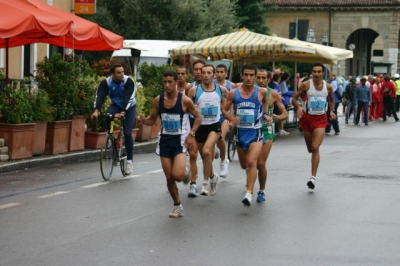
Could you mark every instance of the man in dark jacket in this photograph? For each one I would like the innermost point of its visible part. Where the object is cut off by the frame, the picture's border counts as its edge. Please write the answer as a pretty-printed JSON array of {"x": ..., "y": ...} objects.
[
  {"x": 121, "y": 90},
  {"x": 349, "y": 96}
]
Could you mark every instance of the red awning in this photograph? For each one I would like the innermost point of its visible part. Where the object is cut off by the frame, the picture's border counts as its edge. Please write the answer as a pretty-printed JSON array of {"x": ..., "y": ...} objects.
[{"x": 32, "y": 21}]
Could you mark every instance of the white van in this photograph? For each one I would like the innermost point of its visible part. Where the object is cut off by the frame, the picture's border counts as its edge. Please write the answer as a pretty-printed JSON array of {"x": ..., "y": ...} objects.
[{"x": 153, "y": 52}]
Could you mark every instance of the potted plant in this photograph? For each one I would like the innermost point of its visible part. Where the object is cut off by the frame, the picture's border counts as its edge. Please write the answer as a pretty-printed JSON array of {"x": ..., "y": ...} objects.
[
  {"x": 42, "y": 113},
  {"x": 16, "y": 122},
  {"x": 57, "y": 77},
  {"x": 86, "y": 86},
  {"x": 97, "y": 129}
]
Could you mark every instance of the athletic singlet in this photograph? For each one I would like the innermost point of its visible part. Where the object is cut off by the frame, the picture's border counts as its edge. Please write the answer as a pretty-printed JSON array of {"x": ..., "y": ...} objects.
[
  {"x": 174, "y": 129},
  {"x": 249, "y": 110},
  {"x": 315, "y": 103},
  {"x": 209, "y": 103},
  {"x": 228, "y": 84}
]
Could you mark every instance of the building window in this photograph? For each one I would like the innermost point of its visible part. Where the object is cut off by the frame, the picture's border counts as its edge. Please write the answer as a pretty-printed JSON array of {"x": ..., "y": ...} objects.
[
  {"x": 302, "y": 27},
  {"x": 377, "y": 53}
]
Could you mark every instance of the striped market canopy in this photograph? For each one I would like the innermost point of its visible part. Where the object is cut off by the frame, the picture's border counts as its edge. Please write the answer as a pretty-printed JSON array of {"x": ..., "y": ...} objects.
[{"x": 250, "y": 46}]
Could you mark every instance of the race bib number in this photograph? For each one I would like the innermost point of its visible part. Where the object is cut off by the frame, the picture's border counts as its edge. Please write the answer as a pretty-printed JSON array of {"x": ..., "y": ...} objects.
[
  {"x": 317, "y": 105},
  {"x": 171, "y": 124},
  {"x": 209, "y": 110},
  {"x": 246, "y": 117}
]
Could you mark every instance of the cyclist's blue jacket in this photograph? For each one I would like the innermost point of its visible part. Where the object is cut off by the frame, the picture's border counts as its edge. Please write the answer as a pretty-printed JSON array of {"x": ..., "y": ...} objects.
[{"x": 121, "y": 94}]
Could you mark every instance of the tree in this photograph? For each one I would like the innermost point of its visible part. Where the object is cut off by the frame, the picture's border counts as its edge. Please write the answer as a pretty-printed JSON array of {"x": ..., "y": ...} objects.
[
  {"x": 186, "y": 20},
  {"x": 251, "y": 15}
]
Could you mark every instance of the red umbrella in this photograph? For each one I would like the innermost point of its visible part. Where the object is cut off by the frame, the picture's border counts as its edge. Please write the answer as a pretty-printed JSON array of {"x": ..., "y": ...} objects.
[
  {"x": 84, "y": 35},
  {"x": 32, "y": 21}
]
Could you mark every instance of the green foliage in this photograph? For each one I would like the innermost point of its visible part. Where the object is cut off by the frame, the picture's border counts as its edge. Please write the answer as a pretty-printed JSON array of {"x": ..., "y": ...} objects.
[
  {"x": 102, "y": 66},
  {"x": 2, "y": 74},
  {"x": 176, "y": 20},
  {"x": 140, "y": 100},
  {"x": 251, "y": 15},
  {"x": 70, "y": 85},
  {"x": 152, "y": 83},
  {"x": 42, "y": 110},
  {"x": 15, "y": 107}
]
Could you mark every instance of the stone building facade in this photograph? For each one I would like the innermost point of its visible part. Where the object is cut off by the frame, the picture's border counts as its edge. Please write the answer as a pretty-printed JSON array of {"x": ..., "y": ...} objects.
[{"x": 368, "y": 27}]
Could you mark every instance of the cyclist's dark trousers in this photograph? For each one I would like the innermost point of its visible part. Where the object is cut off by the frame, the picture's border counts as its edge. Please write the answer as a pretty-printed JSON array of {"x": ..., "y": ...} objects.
[{"x": 130, "y": 117}]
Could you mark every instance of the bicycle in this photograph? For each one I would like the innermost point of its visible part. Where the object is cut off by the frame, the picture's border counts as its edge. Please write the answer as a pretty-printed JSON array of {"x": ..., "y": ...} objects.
[
  {"x": 112, "y": 151},
  {"x": 232, "y": 142}
]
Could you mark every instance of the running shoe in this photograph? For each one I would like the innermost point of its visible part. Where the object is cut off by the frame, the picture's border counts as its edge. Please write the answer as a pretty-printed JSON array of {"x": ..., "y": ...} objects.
[
  {"x": 283, "y": 132},
  {"x": 193, "y": 192},
  {"x": 311, "y": 183},
  {"x": 247, "y": 200},
  {"x": 176, "y": 212},
  {"x": 129, "y": 168},
  {"x": 204, "y": 190},
  {"x": 260, "y": 196},
  {"x": 213, "y": 185},
  {"x": 223, "y": 169}
]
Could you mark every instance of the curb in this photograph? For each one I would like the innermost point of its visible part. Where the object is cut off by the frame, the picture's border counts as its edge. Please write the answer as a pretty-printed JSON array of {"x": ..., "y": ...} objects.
[{"x": 88, "y": 155}]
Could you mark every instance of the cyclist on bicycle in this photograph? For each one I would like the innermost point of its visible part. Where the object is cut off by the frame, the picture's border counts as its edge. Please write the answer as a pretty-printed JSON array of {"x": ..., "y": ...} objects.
[{"x": 121, "y": 90}]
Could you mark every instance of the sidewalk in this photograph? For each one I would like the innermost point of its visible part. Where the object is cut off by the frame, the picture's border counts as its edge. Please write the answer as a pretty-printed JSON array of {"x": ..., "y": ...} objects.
[{"x": 87, "y": 155}]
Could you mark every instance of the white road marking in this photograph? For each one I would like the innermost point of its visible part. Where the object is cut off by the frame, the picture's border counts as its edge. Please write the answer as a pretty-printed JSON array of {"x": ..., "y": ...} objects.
[
  {"x": 9, "y": 205},
  {"x": 131, "y": 176},
  {"x": 53, "y": 194},
  {"x": 95, "y": 185},
  {"x": 155, "y": 171}
]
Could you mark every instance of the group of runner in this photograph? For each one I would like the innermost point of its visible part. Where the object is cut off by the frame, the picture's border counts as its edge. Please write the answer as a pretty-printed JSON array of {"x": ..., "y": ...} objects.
[{"x": 195, "y": 118}]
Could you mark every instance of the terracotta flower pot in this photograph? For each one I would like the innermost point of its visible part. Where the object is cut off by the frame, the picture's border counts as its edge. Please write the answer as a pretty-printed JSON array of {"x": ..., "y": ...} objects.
[
  {"x": 39, "y": 138},
  {"x": 18, "y": 138},
  {"x": 94, "y": 140},
  {"x": 77, "y": 134},
  {"x": 58, "y": 136}
]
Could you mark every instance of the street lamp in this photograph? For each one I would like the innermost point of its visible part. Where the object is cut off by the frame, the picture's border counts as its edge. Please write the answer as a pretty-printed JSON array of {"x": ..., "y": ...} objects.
[{"x": 310, "y": 35}]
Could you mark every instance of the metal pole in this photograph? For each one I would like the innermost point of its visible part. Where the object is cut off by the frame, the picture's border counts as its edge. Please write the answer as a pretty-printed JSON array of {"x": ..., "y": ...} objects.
[{"x": 7, "y": 48}]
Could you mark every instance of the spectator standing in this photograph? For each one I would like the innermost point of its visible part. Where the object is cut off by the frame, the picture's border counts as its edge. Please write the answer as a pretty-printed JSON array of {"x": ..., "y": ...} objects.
[
  {"x": 388, "y": 92},
  {"x": 363, "y": 98},
  {"x": 377, "y": 101},
  {"x": 351, "y": 103}
]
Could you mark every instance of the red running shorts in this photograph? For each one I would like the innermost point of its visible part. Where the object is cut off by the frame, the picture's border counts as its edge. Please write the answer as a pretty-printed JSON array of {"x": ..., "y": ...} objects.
[{"x": 310, "y": 122}]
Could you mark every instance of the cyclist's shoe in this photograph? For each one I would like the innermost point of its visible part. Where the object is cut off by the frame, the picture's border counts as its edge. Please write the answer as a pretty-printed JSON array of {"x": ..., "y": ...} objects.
[
  {"x": 311, "y": 183},
  {"x": 176, "y": 212},
  {"x": 260, "y": 196},
  {"x": 204, "y": 190},
  {"x": 223, "y": 167},
  {"x": 129, "y": 169},
  {"x": 217, "y": 152},
  {"x": 213, "y": 185},
  {"x": 247, "y": 200},
  {"x": 193, "y": 192}
]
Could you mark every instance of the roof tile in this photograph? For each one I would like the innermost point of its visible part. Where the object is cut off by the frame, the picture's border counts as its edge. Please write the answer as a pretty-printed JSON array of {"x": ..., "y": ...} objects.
[{"x": 337, "y": 3}]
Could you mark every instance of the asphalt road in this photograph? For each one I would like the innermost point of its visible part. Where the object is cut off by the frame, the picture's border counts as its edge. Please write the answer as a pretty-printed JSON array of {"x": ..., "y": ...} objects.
[{"x": 66, "y": 214}]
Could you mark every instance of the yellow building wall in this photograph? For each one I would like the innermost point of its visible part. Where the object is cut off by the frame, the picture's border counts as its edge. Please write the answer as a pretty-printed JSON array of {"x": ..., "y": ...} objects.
[{"x": 278, "y": 22}]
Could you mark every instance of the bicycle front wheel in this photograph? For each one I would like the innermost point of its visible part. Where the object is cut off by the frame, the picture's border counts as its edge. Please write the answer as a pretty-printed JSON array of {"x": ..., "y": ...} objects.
[
  {"x": 107, "y": 157},
  {"x": 231, "y": 145}
]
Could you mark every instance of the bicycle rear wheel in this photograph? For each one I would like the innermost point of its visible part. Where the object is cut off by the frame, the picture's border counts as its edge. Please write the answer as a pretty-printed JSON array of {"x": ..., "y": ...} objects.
[
  {"x": 107, "y": 157},
  {"x": 231, "y": 145}
]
